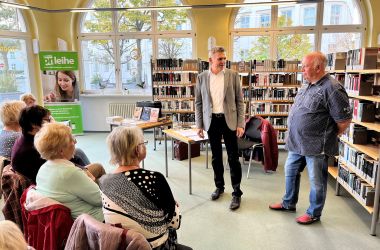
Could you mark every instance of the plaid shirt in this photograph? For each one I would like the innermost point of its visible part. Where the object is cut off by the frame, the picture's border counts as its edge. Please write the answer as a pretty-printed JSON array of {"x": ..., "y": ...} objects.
[{"x": 13, "y": 185}]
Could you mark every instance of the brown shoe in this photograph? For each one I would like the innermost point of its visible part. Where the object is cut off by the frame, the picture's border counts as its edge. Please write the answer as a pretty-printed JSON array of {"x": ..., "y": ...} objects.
[{"x": 280, "y": 207}]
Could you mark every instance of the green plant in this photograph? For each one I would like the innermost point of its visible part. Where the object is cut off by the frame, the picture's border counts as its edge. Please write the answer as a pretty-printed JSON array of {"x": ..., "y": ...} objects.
[
  {"x": 96, "y": 79},
  {"x": 7, "y": 82}
]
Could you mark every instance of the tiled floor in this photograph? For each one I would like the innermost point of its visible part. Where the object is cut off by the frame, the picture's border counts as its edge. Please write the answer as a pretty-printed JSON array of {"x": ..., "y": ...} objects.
[{"x": 210, "y": 224}]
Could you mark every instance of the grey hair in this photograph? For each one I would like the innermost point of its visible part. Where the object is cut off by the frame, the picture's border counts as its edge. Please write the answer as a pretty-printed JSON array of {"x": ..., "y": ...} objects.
[
  {"x": 318, "y": 59},
  {"x": 216, "y": 49}
]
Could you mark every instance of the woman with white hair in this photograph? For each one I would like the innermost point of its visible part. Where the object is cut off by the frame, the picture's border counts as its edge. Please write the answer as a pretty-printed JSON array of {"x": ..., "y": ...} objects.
[
  {"x": 11, "y": 237},
  {"x": 137, "y": 198},
  {"x": 59, "y": 179},
  {"x": 10, "y": 113}
]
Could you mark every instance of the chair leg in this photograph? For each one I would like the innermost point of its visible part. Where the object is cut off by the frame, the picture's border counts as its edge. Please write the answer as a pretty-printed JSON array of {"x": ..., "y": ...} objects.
[{"x": 250, "y": 161}]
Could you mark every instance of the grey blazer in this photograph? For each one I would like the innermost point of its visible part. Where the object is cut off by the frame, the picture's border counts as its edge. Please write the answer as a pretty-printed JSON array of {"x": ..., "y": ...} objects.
[{"x": 233, "y": 104}]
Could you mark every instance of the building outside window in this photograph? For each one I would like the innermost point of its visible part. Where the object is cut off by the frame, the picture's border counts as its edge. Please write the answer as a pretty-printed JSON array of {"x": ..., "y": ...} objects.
[
  {"x": 295, "y": 30},
  {"x": 14, "y": 50},
  {"x": 124, "y": 43}
]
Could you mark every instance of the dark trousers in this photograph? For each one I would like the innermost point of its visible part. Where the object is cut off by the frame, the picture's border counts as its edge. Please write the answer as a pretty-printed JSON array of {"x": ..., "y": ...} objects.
[{"x": 217, "y": 130}]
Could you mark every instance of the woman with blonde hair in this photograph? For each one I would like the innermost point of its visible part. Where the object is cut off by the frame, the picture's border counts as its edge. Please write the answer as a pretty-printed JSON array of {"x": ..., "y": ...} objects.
[
  {"x": 59, "y": 179},
  {"x": 29, "y": 99},
  {"x": 137, "y": 198},
  {"x": 10, "y": 113},
  {"x": 11, "y": 237}
]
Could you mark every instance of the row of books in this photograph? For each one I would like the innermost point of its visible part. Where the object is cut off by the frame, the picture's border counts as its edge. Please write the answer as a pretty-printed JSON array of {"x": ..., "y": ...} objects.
[
  {"x": 178, "y": 105},
  {"x": 278, "y": 122},
  {"x": 273, "y": 93},
  {"x": 359, "y": 188},
  {"x": 183, "y": 120},
  {"x": 281, "y": 136},
  {"x": 173, "y": 92},
  {"x": 267, "y": 79},
  {"x": 270, "y": 108},
  {"x": 356, "y": 59},
  {"x": 175, "y": 64},
  {"x": 271, "y": 65},
  {"x": 359, "y": 84},
  {"x": 356, "y": 134},
  {"x": 363, "y": 165},
  {"x": 363, "y": 111},
  {"x": 174, "y": 78}
]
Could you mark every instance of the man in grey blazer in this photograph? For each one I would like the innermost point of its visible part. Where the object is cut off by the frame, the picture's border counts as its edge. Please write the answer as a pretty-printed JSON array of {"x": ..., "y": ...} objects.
[{"x": 219, "y": 110}]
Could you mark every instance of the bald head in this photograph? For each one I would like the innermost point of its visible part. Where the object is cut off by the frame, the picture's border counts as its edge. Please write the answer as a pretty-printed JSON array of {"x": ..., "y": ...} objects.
[{"x": 313, "y": 66}]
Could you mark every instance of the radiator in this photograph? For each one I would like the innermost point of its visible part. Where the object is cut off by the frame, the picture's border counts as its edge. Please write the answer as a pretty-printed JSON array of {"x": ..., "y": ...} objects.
[{"x": 125, "y": 110}]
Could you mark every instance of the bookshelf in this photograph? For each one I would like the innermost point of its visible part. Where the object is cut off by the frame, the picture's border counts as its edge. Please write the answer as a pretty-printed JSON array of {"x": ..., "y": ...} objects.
[
  {"x": 173, "y": 83},
  {"x": 272, "y": 90},
  {"x": 358, "y": 162}
]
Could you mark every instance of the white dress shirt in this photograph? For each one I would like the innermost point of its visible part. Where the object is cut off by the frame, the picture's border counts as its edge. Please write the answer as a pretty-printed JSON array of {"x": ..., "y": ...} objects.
[{"x": 217, "y": 91}]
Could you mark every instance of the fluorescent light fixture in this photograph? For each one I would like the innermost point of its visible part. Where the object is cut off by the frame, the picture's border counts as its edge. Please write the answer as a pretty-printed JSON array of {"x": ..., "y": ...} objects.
[
  {"x": 82, "y": 10},
  {"x": 237, "y": 5},
  {"x": 15, "y": 5}
]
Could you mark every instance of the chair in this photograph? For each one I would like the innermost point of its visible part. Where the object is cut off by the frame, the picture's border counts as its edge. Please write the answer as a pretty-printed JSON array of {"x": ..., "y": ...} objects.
[
  {"x": 3, "y": 162},
  {"x": 88, "y": 233},
  {"x": 47, "y": 222},
  {"x": 13, "y": 185},
  {"x": 251, "y": 140}
]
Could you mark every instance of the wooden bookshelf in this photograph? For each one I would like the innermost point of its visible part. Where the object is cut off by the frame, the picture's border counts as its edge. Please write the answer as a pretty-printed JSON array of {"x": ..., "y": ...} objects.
[
  {"x": 348, "y": 189},
  {"x": 355, "y": 171},
  {"x": 333, "y": 171},
  {"x": 370, "y": 125},
  {"x": 363, "y": 71},
  {"x": 370, "y": 150},
  {"x": 367, "y": 98}
]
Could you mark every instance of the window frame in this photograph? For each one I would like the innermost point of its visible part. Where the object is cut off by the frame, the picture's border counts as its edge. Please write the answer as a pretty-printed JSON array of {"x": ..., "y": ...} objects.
[
  {"x": 27, "y": 37},
  {"x": 318, "y": 29},
  {"x": 116, "y": 35}
]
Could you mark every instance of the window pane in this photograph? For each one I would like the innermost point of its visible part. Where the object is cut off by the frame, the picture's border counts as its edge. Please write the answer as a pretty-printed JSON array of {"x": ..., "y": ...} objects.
[
  {"x": 253, "y": 17},
  {"x": 251, "y": 47},
  {"x": 100, "y": 21},
  {"x": 11, "y": 19},
  {"x": 173, "y": 20},
  {"x": 133, "y": 21},
  {"x": 135, "y": 55},
  {"x": 340, "y": 42},
  {"x": 341, "y": 12},
  {"x": 14, "y": 73},
  {"x": 297, "y": 15},
  {"x": 294, "y": 46},
  {"x": 98, "y": 64},
  {"x": 175, "y": 48}
]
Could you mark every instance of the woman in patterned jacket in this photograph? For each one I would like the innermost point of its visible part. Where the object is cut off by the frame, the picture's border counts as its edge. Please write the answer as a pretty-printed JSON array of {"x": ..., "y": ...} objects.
[{"x": 138, "y": 198}]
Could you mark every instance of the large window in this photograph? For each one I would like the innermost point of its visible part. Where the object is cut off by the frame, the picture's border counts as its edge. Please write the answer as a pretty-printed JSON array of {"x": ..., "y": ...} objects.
[
  {"x": 293, "y": 30},
  {"x": 14, "y": 71},
  {"x": 116, "y": 47}
]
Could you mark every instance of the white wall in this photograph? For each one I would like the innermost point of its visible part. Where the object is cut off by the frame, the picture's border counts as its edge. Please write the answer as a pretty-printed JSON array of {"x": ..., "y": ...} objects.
[{"x": 95, "y": 109}]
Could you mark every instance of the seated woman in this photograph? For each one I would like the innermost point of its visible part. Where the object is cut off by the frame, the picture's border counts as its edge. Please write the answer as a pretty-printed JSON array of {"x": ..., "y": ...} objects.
[
  {"x": 10, "y": 113},
  {"x": 59, "y": 179},
  {"x": 29, "y": 99},
  {"x": 11, "y": 237},
  {"x": 25, "y": 158},
  {"x": 139, "y": 199}
]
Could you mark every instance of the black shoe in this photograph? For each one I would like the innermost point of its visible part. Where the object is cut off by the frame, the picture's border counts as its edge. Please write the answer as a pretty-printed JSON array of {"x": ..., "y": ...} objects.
[
  {"x": 215, "y": 195},
  {"x": 235, "y": 203}
]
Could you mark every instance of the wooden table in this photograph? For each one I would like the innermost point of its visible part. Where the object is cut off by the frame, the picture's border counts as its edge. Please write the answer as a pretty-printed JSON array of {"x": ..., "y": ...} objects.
[
  {"x": 188, "y": 140},
  {"x": 146, "y": 125}
]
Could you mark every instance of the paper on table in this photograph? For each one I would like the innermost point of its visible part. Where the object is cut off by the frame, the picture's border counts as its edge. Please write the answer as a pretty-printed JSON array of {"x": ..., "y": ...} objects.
[{"x": 192, "y": 134}]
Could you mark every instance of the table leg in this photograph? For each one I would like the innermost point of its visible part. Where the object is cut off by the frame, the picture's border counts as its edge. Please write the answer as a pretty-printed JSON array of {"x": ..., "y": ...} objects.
[
  {"x": 166, "y": 154},
  {"x": 189, "y": 157},
  {"x": 206, "y": 154},
  {"x": 172, "y": 149},
  {"x": 154, "y": 138}
]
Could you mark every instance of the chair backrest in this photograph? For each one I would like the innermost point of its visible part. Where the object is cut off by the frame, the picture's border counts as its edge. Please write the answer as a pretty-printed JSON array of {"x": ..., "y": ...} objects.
[
  {"x": 88, "y": 233},
  {"x": 3, "y": 163},
  {"x": 48, "y": 225},
  {"x": 13, "y": 185},
  {"x": 252, "y": 131}
]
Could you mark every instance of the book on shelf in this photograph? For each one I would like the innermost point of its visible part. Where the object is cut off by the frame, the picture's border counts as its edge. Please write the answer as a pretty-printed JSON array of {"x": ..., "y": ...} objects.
[
  {"x": 137, "y": 113},
  {"x": 339, "y": 61},
  {"x": 363, "y": 58},
  {"x": 153, "y": 116}
]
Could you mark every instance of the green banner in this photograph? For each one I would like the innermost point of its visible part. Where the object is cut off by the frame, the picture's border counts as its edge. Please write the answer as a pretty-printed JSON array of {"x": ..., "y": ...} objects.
[
  {"x": 70, "y": 113},
  {"x": 58, "y": 60}
]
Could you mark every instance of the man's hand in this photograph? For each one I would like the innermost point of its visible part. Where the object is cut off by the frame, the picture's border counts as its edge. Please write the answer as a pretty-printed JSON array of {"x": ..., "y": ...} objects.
[
  {"x": 239, "y": 132},
  {"x": 200, "y": 133}
]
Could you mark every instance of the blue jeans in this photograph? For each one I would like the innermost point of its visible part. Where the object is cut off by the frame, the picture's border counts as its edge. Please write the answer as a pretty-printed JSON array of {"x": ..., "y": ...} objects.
[{"x": 317, "y": 170}]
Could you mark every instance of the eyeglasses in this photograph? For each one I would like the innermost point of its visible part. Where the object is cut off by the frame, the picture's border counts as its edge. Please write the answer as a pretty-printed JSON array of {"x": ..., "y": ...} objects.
[
  {"x": 46, "y": 120},
  {"x": 143, "y": 143},
  {"x": 74, "y": 139}
]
